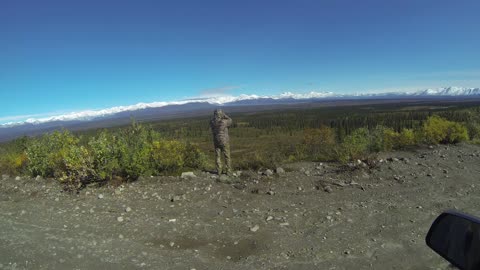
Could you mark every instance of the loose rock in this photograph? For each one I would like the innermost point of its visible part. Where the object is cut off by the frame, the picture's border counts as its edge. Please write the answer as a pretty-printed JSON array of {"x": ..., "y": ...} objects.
[
  {"x": 268, "y": 172},
  {"x": 186, "y": 175},
  {"x": 223, "y": 178}
]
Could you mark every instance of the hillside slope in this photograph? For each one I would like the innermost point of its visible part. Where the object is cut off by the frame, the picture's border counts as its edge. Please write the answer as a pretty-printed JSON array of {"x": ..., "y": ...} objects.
[{"x": 314, "y": 216}]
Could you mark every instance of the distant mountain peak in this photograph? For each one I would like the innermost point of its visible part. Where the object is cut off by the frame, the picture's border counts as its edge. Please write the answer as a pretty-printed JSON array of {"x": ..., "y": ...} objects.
[{"x": 244, "y": 99}]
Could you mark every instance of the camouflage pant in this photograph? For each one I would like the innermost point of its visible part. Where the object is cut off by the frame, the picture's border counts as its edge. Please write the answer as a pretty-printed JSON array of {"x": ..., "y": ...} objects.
[{"x": 225, "y": 151}]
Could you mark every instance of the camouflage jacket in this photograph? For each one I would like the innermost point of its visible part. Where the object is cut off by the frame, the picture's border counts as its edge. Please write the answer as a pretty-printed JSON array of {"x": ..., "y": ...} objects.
[{"x": 220, "y": 130}]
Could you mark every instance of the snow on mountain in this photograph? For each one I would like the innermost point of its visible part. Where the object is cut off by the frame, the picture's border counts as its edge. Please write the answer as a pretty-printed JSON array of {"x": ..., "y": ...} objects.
[
  {"x": 226, "y": 100},
  {"x": 450, "y": 91}
]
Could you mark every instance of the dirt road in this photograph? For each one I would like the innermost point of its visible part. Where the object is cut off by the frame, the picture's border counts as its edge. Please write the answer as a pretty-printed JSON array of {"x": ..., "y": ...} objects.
[{"x": 314, "y": 216}]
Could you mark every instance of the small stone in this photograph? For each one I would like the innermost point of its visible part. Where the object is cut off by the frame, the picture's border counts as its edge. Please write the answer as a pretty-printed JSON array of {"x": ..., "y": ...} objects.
[
  {"x": 186, "y": 175},
  {"x": 120, "y": 219},
  {"x": 172, "y": 244},
  {"x": 18, "y": 178},
  {"x": 271, "y": 192},
  {"x": 172, "y": 220},
  {"x": 280, "y": 170},
  {"x": 269, "y": 218},
  {"x": 57, "y": 199},
  {"x": 254, "y": 228},
  {"x": 120, "y": 236},
  {"x": 223, "y": 178},
  {"x": 38, "y": 178},
  {"x": 328, "y": 189},
  {"x": 268, "y": 172},
  {"x": 176, "y": 198},
  {"x": 128, "y": 209},
  {"x": 100, "y": 196},
  {"x": 284, "y": 224}
]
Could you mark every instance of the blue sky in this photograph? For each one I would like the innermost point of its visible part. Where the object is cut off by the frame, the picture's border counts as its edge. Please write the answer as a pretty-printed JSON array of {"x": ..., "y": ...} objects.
[{"x": 60, "y": 56}]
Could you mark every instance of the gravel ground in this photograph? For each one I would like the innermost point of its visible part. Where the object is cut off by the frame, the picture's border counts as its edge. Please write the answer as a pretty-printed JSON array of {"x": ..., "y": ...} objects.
[{"x": 313, "y": 216}]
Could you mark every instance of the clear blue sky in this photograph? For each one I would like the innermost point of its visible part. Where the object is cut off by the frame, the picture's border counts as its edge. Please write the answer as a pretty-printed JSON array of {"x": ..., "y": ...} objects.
[{"x": 60, "y": 55}]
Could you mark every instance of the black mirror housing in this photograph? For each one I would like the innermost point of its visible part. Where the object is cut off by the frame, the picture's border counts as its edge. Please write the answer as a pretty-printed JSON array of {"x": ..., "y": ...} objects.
[{"x": 456, "y": 237}]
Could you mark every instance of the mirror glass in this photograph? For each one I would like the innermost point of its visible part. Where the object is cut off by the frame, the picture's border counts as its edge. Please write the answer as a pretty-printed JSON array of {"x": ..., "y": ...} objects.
[{"x": 456, "y": 238}]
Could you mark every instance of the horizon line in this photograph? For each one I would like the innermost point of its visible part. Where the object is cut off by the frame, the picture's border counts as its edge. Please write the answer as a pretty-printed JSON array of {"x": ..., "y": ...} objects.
[{"x": 220, "y": 99}]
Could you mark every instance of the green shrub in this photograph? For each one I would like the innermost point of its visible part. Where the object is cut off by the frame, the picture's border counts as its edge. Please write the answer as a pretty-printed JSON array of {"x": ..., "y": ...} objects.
[
  {"x": 194, "y": 158},
  {"x": 168, "y": 156},
  {"x": 105, "y": 153},
  {"x": 354, "y": 146},
  {"x": 473, "y": 129},
  {"x": 59, "y": 155},
  {"x": 439, "y": 130},
  {"x": 376, "y": 139},
  {"x": 38, "y": 158},
  {"x": 12, "y": 162},
  {"x": 45, "y": 155},
  {"x": 76, "y": 167},
  {"x": 406, "y": 138},
  {"x": 390, "y": 139},
  {"x": 135, "y": 146}
]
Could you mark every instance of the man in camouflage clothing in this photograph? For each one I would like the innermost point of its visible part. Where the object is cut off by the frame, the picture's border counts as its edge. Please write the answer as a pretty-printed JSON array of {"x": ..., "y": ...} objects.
[{"x": 219, "y": 125}]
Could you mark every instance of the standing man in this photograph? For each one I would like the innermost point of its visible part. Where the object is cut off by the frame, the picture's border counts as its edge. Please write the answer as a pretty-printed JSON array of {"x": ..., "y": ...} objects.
[{"x": 219, "y": 125}]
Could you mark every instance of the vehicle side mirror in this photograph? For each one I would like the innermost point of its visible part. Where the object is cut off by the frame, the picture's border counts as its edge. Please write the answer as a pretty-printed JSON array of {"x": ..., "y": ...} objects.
[{"x": 456, "y": 237}]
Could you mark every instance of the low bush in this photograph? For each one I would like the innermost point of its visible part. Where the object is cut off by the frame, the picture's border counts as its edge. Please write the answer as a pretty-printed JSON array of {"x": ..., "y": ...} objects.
[
  {"x": 106, "y": 155},
  {"x": 439, "y": 130},
  {"x": 128, "y": 153},
  {"x": 354, "y": 146},
  {"x": 406, "y": 138},
  {"x": 46, "y": 155},
  {"x": 12, "y": 163}
]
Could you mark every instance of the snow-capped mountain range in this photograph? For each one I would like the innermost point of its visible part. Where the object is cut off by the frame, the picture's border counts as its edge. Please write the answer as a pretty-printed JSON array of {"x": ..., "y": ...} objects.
[{"x": 284, "y": 98}]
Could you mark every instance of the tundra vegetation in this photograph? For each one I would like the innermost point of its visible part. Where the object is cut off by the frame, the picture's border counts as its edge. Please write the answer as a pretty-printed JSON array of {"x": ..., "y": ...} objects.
[{"x": 258, "y": 141}]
